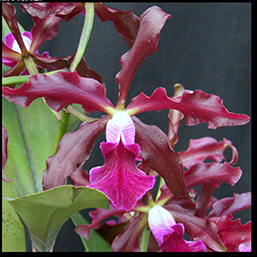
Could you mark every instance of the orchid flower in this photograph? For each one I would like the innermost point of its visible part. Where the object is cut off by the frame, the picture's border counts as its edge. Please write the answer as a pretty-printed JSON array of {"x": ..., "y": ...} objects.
[
  {"x": 169, "y": 234},
  {"x": 63, "y": 88},
  {"x": 19, "y": 47},
  {"x": 214, "y": 231},
  {"x": 11, "y": 42}
]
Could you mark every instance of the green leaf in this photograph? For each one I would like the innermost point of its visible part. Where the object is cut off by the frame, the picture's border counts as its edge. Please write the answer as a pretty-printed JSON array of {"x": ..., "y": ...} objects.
[
  {"x": 32, "y": 133},
  {"x": 95, "y": 243},
  {"x": 13, "y": 236},
  {"x": 44, "y": 213}
]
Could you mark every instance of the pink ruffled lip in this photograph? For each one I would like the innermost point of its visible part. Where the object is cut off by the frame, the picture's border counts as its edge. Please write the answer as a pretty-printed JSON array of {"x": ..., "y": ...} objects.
[{"x": 119, "y": 178}]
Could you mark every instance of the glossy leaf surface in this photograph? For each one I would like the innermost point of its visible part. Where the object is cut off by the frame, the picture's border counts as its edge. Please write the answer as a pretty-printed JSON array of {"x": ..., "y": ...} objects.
[
  {"x": 44, "y": 213},
  {"x": 32, "y": 133}
]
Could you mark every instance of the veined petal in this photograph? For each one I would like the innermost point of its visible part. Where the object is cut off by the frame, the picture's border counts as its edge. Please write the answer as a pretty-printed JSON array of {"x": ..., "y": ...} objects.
[
  {"x": 151, "y": 22},
  {"x": 8, "y": 12},
  {"x": 97, "y": 216},
  {"x": 196, "y": 106},
  {"x": 64, "y": 10},
  {"x": 157, "y": 153},
  {"x": 204, "y": 148},
  {"x": 119, "y": 178},
  {"x": 126, "y": 22},
  {"x": 120, "y": 126},
  {"x": 212, "y": 174},
  {"x": 231, "y": 205},
  {"x": 72, "y": 151},
  {"x": 160, "y": 222},
  {"x": 168, "y": 234},
  {"x": 61, "y": 89},
  {"x": 233, "y": 234},
  {"x": 197, "y": 228},
  {"x": 9, "y": 56}
]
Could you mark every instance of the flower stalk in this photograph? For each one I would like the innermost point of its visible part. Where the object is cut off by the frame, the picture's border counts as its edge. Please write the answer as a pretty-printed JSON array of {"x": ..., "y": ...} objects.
[{"x": 86, "y": 31}]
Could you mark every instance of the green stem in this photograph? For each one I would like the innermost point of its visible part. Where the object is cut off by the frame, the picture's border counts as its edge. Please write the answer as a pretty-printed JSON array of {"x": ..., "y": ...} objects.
[
  {"x": 62, "y": 129},
  {"x": 30, "y": 65},
  {"x": 22, "y": 78},
  {"x": 145, "y": 239},
  {"x": 86, "y": 31},
  {"x": 79, "y": 115}
]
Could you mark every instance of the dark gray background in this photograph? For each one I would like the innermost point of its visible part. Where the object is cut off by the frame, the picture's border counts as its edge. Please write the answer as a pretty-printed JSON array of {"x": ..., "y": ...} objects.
[{"x": 203, "y": 46}]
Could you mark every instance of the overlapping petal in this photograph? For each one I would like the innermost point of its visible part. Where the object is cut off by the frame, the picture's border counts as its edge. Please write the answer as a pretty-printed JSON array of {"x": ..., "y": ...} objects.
[
  {"x": 8, "y": 12},
  {"x": 205, "y": 148},
  {"x": 61, "y": 89},
  {"x": 64, "y": 10},
  {"x": 125, "y": 22},
  {"x": 235, "y": 236},
  {"x": 151, "y": 22},
  {"x": 155, "y": 146},
  {"x": 196, "y": 106},
  {"x": 168, "y": 234},
  {"x": 128, "y": 241},
  {"x": 231, "y": 205},
  {"x": 97, "y": 216},
  {"x": 212, "y": 174},
  {"x": 197, "y": 228},
  {"x": 72, "y": 151}
]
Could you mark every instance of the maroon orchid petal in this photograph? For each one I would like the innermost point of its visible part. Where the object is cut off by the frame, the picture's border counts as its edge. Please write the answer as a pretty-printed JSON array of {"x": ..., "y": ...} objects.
[
  {"x": 196, "y": 106},
  {"x": 126, "y": 22},
  {"x": 80, "y": 177},
  {"x": 9, "y": 53},
  {"x": 8, "y": 12},
  {"x": 157, "y": 153},
  {"x": 204, "y": 148},
  {"x": 232, "y": 233},
  {"x": 128, "y": 241},
  {"x": 4, "y": 152},
  {"x": 212, "y": 174},
  {"x": 97, "y": 216},
  {"x": 72, "y": 151},
  {"x": 18, "y": 69},
  {"x": 50, "y": 63},
  {"x": 61, "y": 89},
  {"x": 231, "y": 204},
  {"x": 197, "y": 228},
  {"x": 64, "y": 10},
  {"x": 43, "y": 30},
  {"x": 84, "y": 71},
  {"x": 205, "y": 200},
  {"x": 151, "y": 22}
]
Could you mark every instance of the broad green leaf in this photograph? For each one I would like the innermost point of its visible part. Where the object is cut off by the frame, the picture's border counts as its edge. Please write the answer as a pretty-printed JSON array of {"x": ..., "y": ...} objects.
[
  {"x": 32, "y": 132},
  {"x": 44, "y": 213},
  {"x": 95, "y": 243},
  {"x": 13, "y": 236}
]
